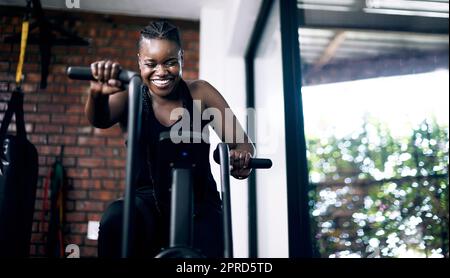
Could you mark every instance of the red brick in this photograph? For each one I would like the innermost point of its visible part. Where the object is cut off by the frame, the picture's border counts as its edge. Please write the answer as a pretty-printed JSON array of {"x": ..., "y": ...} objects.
[
  {"x": 77, "y": 151},
  {"x": 55, "y": 108},
  {"x": 91, "y": 141},
  {"x": 77, "y": 173},
  {"x": 112, "y": 131},
  {"x": 65, "y": 119},
  {"x": 75, "y": 216},
  {"x": 40, "y": 128},
  {"x": 59, "y": 68},
  {"x": 61, "y": 139},
  {"x": 120, "y": 163},
  {"x": 77, "y": 228},
  {"x": 89, "y": 206},
  {"x": 73, "y": 239},
  {"x": 32, "y": 250},
  {"x": 29, "y": 88},
  {"x": 90, "y": 242},
  {"x": 78, "y": 109},
  {"x": 87, "y": 183},
  {"x": 38, "y": 204},
  {"x": 56, "y": 114},
  {"x": 110, "y": 184},
  {"x": 38, "y": 139},
  {"x": 68, "y": 161},
  {"x": 88, "y": 252},
  {"x": 102, "y": 173},
  {"x": 66, "y": 99},
  {"x": 116, "y": 142},
  {"x": 29, "y": 107},
  {"x": 92, "y": 216},
  {"x": 74, "y": 60},
  {"x": 70, "y": 205},
  {"x": 28, "y": 67},
  {"x": 78, "y": 129},
  {"x": 77, "y": 89},
  {"x": 33, "y": 77},
  {"x": 37, "y": 118},
  {"x": 12, "y": 127},
  {"x": 91, "y": 162},
  {"x": 105, "y": 152},
  {"x": 59, "y": 78},
  {"x": 39, "y": 98},
  {"x": 54, "y": 88},
  {"x": 76, "y": 194},
  {"x": 48, "y": 150},
  {"x": 102, "y": 195}
]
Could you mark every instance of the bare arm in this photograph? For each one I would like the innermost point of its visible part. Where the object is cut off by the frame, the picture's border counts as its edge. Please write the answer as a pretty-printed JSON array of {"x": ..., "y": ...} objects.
[
  {"x": 107, "y": 101},
  {"x": 240, "y": 150}
]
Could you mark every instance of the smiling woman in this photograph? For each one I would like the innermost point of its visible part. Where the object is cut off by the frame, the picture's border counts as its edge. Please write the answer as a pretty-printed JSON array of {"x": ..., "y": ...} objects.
[{"x": 160, "y": 58}]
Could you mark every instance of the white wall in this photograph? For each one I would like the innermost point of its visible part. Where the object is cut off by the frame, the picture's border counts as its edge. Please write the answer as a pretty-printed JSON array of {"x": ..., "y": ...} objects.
[
  {"x": 225, "y": 29},
  {"x": 270, "y": 138},
  {"x": 224, "y": 36}
]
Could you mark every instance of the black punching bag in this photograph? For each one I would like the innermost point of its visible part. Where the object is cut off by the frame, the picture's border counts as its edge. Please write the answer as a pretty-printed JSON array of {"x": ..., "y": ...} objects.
[{"x": 18, "y": 180}]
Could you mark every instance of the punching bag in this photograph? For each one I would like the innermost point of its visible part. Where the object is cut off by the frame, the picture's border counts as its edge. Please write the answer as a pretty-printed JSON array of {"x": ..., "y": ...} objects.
[{"x": 18, "y": 181}]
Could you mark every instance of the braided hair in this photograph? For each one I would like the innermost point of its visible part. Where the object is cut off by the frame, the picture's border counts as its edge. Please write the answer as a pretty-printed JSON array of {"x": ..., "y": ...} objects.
[{"x": 162, "y": 30}]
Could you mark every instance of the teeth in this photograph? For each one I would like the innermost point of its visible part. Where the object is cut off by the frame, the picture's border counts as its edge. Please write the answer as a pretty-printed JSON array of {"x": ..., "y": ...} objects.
[{"x": 160, "y": 82}]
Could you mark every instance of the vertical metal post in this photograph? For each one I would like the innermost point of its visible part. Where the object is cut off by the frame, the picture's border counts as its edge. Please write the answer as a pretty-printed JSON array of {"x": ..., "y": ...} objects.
[
  {"x": 225, "y": 185},
  {"x": 134, "y": 123},
  {"x": 181, "y": 212},
  {"x": 300, "y": 242}
]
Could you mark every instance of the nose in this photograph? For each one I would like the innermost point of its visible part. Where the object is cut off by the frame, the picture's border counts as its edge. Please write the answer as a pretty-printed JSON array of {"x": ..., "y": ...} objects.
[{"x": 160, "y": 69}]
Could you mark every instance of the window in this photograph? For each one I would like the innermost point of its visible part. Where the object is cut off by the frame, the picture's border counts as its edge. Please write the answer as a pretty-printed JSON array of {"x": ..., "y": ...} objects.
[{"x": 376, "y": 111}]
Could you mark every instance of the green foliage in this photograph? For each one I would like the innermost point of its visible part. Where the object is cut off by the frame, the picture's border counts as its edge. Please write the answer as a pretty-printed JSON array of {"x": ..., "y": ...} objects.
[{"x": 374, "y": 195}]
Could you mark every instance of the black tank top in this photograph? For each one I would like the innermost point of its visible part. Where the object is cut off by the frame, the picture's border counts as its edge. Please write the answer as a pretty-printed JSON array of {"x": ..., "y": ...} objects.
[{"x": 204, "y": 185}]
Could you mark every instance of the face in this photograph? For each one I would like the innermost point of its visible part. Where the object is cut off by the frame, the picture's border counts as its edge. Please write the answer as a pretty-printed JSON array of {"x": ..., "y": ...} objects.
[{"x": 160, "y": 62}]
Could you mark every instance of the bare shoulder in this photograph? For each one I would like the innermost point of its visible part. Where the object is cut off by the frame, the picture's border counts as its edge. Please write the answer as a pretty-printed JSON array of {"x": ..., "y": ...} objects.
[
  {"x": 199, "y": 87},
  {"x": 202, "y": 90}
]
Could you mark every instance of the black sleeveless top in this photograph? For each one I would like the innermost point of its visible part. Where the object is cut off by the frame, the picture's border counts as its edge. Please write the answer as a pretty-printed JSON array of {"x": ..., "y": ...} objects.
[{"x": 205, "y": 189}]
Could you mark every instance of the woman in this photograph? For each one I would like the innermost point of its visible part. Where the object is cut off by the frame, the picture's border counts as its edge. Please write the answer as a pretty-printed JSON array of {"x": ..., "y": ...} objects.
[{"x": 160, "y": 59}]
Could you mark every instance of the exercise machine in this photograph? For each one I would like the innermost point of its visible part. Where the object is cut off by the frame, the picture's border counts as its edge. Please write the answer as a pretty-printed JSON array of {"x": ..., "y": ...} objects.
[{"x": 181, "y": 158}]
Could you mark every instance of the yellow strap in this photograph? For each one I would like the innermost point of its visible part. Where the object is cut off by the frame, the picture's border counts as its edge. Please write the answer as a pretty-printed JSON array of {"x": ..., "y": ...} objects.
[{"x": 23, "y": 45}]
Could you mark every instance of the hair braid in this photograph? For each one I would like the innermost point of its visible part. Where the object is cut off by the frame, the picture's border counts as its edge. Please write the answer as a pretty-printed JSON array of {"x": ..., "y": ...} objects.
[{"x": 162, "y": 30}]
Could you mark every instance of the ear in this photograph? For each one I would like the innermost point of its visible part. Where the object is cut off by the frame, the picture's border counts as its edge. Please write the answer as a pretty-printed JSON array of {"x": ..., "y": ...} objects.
[
  {"x": 182, "y": 57},
  {"x": 139, "y": 60}
]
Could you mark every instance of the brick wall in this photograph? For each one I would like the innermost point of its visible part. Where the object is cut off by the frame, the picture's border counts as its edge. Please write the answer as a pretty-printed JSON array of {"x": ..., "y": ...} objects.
[{"x": 94, "y": 158}]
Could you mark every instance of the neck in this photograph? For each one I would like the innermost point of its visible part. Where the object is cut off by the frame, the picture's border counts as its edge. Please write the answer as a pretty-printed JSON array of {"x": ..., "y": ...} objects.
[{"x": 175, "y": 95}]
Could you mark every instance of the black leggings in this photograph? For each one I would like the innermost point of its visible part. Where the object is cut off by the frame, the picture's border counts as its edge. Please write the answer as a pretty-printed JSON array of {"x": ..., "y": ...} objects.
[{"x": 152, "y": 228}]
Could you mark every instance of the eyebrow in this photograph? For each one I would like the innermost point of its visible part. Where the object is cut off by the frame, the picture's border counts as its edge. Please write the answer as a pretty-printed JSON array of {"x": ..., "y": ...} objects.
[{"x": 152, "y": 60}]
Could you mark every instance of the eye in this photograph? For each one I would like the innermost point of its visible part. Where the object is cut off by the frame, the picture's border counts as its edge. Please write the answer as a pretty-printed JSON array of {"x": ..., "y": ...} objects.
[
  {"x": 150, "y": 65},
  {"x": 171, "y": 63}
]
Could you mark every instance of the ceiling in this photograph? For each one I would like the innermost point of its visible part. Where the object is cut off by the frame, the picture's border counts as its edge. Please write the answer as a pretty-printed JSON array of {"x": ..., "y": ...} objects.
[
  {"x": 330, "y": 30},
  {"x": 185, "y": 9},
  {"x": 334, "y": 31},
  {"x": 424, "y": 8},
  {"x": 323, "y": 46}
]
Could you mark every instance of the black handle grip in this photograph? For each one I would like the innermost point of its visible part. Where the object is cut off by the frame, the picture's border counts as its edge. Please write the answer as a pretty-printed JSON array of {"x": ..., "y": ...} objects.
[
  {"x": 84, "y": 73},
  {"x": 80, "y": 73},
  {"x": 255, "y": 163}
]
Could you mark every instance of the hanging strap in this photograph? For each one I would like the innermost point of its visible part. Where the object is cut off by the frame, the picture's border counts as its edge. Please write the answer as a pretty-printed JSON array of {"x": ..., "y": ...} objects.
[
  {"x": 15, "y": 106},
  {"x": 23, "y": 46},
  {"x": 23, "y": 43}
]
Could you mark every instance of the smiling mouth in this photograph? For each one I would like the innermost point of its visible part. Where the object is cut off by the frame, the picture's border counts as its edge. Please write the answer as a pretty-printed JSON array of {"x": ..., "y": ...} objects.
[{"x": 162, "y": 83}]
